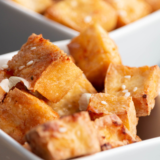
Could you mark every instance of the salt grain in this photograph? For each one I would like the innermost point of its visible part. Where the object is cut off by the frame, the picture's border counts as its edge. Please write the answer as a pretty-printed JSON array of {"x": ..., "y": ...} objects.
[
  {"x": 103, "y": 102},
  {"x": 62, "y": 130},
  {"x": 123, "y": 86},
  {"x": 135, "y": 88},
  {"x": 33, "y": 48},
  {"x": 29, "y": 63},
  {"x": 21, "y": 67},
  {"x": 88, "y": 19},
  {"x": 128, "y": 76},
  {"x": 127, "y": 94},
  {"x": 125, "y": 91}
]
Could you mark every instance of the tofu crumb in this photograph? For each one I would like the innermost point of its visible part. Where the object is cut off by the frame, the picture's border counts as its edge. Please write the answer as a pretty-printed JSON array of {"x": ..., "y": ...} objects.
[
  {"x": 5, "y": 66},
  {"x": 88, "y": 19},
  {"x": 125, "y": 91},
  {"x": 29, "y": 63},
  {"x": 123, "y": 86},
  {"x": 135, "y": 88},
  {"x": 128, "y": 76},
  {"x": 62, "y": 130},
  {"x": 103, "y": 102},
  {"x": 21, "y": 67},
  {"x": 127, "y": 94},
  {"x": 33, "y": 48}
]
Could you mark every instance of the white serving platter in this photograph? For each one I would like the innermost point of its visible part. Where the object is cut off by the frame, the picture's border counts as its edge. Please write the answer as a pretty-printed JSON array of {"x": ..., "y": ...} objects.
[{"x": 138, "y": 45}]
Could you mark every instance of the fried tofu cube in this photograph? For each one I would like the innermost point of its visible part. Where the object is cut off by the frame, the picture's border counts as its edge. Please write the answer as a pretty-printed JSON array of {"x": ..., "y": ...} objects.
[
  {"x": 155, "y": 4},
  {"x": 68, "y": 137},
  {"x": 69, "y": 104},
  {"x": 3, "y": 75},
  {"x": 130, "y": 10},
  {"x": 93, "y": 51},
  {"x": 102, "y": 104},
  {"x": 47, "y": 68},
  {"x": 36, "y": 5},
  {"x": 112, "y": 132},
  {"x": 79, "y": 14},
  {"x": 141, "y": 83},
  {"x": 21, "y": 111}
]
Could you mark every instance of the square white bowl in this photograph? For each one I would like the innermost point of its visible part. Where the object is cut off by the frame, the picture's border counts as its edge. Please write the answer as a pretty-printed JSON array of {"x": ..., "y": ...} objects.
[
  {"x": 18, "y": 22},
  {"x": 138, "y": 45}
]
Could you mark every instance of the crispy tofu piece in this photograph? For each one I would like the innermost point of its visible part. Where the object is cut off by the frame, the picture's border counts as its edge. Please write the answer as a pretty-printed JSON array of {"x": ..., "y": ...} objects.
[
  {"x": 141, "y": 83},
  {"x": 93, "y": 51},
  {"x": 3, "y": 75},
  {"x": 130, "y": 10},
  {"x": 102, "y": 104},
  {"x": 47, "y": 68},
  {"x": 155, "y": 4},
  {"x": 79, "y": 14},
  {"x": 21, "y": 111},
  {"x": 112, "y": 132},
  {"x": 36, "y": 5},
  {"x": 69, "y": 103},
  {"x": 68, "y": 137}
]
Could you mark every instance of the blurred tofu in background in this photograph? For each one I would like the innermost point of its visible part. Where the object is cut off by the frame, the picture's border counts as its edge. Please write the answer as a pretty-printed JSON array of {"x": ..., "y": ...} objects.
[
  {"x": 78, "y": 14},
  {"x": 36, "y": 5},
  {"x": 155, "y": 4},
  {"x": 130, "y": 10}
]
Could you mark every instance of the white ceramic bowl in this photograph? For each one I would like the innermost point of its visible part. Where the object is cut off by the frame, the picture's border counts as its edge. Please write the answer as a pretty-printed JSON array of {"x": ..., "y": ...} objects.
[
  {"x": 17, "y": 23},
  {"x": 139, "y": 45}
]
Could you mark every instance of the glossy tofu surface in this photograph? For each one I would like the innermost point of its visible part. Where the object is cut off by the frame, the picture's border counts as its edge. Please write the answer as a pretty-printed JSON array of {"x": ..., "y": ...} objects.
[{"x": 80, "y": 13}]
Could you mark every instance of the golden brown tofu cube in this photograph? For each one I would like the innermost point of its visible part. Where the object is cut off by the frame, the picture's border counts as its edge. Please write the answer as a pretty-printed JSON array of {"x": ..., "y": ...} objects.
[
  {"x": 79, "y": 14},
  {"x": 93, "y": 51},
  {"x": 69, "y": 103},
  {"x": 47, "y": 68},
  {"x": 3, "y": 75},
  {"x": 141, "y": 83},
  {"x": 155, "y": 4},
  {"x": 112, "y": 132},
  {"x": 36, "y": 5},
  {"x": 21, "y": 111},
  {"x": 102, "y": 104},
  {"x": 68, "y": 137},
  {"x": 130, "y": 10}
]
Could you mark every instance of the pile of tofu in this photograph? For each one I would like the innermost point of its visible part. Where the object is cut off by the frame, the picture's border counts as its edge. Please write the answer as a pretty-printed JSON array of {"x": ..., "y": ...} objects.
[{"x": 64, "y": 108}]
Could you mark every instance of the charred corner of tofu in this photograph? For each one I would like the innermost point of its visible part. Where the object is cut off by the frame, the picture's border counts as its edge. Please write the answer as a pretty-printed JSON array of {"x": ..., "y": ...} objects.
[
  {"x": 102, "y": 104},
  {"x": 68, "y": 137},
  {"x": 112, "y": 132}
]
